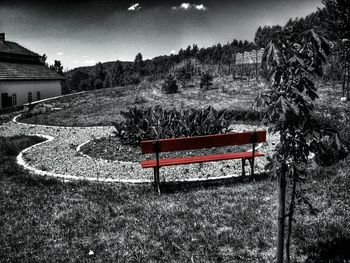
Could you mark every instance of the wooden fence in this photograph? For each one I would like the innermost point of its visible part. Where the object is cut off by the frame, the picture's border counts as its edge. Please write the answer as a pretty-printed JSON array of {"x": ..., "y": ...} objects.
[{"x": 247, "y": 64}]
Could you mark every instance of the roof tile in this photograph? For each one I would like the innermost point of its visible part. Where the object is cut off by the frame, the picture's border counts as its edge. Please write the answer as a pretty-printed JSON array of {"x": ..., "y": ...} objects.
[
  {"x": 14, "y": 48},
  {"x": 20, "y": 71}
]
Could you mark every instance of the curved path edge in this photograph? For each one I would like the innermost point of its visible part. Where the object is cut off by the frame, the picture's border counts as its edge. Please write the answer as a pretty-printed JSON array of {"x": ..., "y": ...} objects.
[
  {"x": 67, "y": 177},
  {"x": 20, "y": 161},
  {"x": 15, "y": 120}
]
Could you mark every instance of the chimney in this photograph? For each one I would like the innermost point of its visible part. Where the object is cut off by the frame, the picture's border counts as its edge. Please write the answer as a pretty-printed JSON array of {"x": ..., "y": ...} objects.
[{"x": 2, "y": 37}]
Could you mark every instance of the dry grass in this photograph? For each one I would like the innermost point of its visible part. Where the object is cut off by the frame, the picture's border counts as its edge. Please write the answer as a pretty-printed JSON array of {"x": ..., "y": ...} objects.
[{"x": 101, "y": 107}]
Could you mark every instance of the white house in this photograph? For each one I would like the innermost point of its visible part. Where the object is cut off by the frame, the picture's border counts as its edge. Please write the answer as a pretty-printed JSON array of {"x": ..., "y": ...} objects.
[{"x": 23, "y": 77}]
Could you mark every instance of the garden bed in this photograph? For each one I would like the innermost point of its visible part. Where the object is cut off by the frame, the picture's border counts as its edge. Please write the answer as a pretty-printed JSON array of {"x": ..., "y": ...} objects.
[{"x": 110, "y": 148}]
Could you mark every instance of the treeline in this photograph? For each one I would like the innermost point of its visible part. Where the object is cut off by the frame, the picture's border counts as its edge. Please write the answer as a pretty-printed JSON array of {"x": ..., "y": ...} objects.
[
  {"x": 294, "y": 28},
  {"x": 332, "y": 22},
  {"x": 111, "y": 74}
]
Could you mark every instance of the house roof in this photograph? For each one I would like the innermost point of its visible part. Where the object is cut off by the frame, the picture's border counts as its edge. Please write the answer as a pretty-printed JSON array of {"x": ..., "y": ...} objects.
[
  {"x": 14, "y": 48},
  {"x": 22, "y": 71}
]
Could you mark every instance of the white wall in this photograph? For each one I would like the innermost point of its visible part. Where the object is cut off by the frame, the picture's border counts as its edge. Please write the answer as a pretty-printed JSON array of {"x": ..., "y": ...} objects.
[{"x": 47, "y": 88}]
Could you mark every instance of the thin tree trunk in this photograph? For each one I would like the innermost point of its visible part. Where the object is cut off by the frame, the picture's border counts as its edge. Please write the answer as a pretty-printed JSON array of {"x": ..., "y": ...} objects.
[
  {"x": 347, "y": 85},
  {"x": 344, "y": 80},
  {"x": 242, "y": 66},
  {"x": 256, "y": 65},
  {"x": 281, "y": 214},
  {"x": 290, "y": 220},
  {"x": 229, "y": 66}
]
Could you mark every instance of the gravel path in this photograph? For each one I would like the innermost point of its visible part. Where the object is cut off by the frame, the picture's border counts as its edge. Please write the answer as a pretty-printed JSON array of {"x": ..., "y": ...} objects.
[{"x": 58, "y": 157}]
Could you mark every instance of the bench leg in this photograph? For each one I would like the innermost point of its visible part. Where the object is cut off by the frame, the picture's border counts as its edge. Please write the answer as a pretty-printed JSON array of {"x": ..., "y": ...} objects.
[
  {"x": 243, "y": 168},
  {"x": 156, "y": 180},
  {"x": 251, "y": 162}
]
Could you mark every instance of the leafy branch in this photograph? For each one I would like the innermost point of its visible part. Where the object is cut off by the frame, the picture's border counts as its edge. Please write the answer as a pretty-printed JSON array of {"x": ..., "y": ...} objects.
[{"x": 289, "y": 64}]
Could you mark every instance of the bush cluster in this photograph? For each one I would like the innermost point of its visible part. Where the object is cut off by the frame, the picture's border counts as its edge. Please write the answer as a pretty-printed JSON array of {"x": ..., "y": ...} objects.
[
  {"x": 245, "y": 115},
  {"x": 155, "y": 122},
  {"x": 206, "y": 81},
  {"x": 333, "y": 144},
  {"x": 170, "y": 86}
]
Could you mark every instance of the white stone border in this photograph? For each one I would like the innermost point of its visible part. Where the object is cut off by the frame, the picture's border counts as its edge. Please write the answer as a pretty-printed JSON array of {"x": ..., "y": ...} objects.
[
  {"x": 54, "y": 98},
  {"x": 56, "y": 126},
  {"x": 67, "y": 177},
  {"x": 78, "y": 150}
]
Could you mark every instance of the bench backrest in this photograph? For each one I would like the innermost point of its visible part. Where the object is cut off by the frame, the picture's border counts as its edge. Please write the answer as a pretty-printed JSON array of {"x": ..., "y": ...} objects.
[{"x": 200, "y": 142}]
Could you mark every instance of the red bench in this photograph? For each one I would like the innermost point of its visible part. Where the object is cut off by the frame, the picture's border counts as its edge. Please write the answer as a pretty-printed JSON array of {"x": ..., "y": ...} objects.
[{"x": 200, "y": 142}]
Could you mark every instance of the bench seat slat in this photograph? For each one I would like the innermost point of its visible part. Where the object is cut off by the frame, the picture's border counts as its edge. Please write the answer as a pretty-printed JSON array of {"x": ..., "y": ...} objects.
[
  {"x": 198, "y": 159},
  {"x": 200, "y": 142}
]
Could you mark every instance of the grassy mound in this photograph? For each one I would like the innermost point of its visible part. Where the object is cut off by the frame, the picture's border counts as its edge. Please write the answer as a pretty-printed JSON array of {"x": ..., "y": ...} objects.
[{"x": 102, "y": 107}]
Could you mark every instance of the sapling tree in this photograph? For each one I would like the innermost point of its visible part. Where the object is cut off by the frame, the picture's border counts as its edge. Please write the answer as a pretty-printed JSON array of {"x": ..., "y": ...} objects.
[
  {"x": 170, "y": 86},
  {"x": 206, "y": 81},
  {"x": 289, "y": 65},
  {"x": 184, "y": 74},
  {"x": 337, "y": 25}
]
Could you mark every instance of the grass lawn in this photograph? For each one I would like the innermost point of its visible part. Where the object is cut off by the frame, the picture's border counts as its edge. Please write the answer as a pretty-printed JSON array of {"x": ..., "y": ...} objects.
[
  {"x": 44, "y": 220},
  {"x": 101, "y": 107},
  {"x": 50, "y": 221}
]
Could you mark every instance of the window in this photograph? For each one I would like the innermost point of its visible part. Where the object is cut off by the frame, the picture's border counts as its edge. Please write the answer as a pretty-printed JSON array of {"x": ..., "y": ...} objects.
[
  {"x": 30, "y": 97},
  {"x": 14, "y": 99},
  {"x": 38, "y": 97}
]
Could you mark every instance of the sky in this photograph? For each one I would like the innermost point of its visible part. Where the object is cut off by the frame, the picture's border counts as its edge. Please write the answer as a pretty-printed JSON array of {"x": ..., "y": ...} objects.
[{"x": 82, "y": 33}]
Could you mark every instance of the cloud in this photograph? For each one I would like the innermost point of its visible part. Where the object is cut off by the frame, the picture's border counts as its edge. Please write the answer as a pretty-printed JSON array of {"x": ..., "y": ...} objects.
[
  {"x": 185, "y": 6},
  {"x": 134, "y": 7},
  {"x": 200, "y": 7},
  {"x": 173, "y": 52},
  {"x": 59, "y": 53},
  {"x": 188, "y": 6},
  {"x": 76, "y": 62}
]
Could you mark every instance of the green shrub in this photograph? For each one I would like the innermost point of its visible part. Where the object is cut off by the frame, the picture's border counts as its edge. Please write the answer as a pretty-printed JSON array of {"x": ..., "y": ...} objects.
[
  {"x": 333, "y": 142},
  {"x": 155, "y": 122},
  {"x": 170, "y": 86},
  {"x": 244, "y": 115},
  {"x": 35, "y": 109},
  {"x": 329, "y": 149},
  {"x": 333, "y": 69},
  {"x": 206, "y": 81},
  {"x": 184, "y": 73}
]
